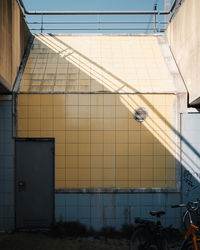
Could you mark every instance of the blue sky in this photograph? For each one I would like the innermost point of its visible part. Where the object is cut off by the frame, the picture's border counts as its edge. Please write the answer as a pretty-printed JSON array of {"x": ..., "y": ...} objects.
[{"x": 96, "y": 5}]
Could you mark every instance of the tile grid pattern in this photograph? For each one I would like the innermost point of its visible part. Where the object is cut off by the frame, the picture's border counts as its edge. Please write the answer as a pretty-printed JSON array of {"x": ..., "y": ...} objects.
[
  {"x": 6, "y": 167},
  {"x": 98, "y": 143},
  {"x": 80, "y": 64},
  {"x": 101, "y": 210},
  {"x": 190, "y": 156}
]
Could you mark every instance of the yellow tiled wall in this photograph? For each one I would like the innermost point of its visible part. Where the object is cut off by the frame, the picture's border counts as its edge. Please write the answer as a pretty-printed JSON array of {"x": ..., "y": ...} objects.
[{"x": 98, "y": 144}]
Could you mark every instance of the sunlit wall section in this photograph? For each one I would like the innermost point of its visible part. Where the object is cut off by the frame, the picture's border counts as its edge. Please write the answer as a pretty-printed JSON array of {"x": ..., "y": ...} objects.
[
  {"x": 99, "y": 144},
  {"x": 96, "y": 63}
]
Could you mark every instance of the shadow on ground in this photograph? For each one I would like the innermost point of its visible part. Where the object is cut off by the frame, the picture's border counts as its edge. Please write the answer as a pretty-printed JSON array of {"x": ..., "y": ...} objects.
[
  {"x": 44, "y": 241},
  {"x": 75, "y": 236}
]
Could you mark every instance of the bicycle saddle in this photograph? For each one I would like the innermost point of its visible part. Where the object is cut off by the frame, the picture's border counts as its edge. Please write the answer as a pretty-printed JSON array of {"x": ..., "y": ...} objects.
[
  {"x": 142, "y": 221},
  {"x": 157, "y": 212}
]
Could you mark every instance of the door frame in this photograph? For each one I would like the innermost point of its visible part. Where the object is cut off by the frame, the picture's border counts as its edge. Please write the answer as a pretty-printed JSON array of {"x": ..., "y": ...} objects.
[{"x": 15, "y": 174}]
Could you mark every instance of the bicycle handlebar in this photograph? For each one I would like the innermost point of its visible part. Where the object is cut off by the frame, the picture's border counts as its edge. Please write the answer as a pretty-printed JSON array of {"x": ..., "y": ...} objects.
[
  {"x": 179, "y": 205},
  {"x": 188, "y": 205}
]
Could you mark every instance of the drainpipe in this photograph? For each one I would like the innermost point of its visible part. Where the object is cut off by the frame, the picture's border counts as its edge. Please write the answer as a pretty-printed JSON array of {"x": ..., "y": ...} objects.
[{"x": 167, "y": 17}]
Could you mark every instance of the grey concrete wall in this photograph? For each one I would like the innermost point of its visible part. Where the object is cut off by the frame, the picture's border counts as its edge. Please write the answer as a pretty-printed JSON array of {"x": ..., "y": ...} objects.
[
  {"x": 190, "y": 156},
  {"x": 184, "y": 40},
  {"x": 6, "y": 167},
  {"x": 14, "y": 35}
]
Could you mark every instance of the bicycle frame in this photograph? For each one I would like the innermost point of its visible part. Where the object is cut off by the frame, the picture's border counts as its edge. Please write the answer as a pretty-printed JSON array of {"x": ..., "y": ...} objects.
[
  {"x": 190, "y": 237},
  {"x": 192, "y": 232}
]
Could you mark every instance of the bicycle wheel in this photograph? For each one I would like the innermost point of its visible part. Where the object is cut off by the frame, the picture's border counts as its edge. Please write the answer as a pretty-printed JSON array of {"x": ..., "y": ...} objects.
[
  {"x": 142, "y": 239},
  {"x": 139, "y": 240},
  {"x": 188, "y": 245},
  {"x": 186, "y": 222},
  {"x": 164, "y": 244}
]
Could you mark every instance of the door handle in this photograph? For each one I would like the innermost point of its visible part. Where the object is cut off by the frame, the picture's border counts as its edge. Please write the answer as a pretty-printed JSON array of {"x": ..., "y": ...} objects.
[{"x": 21, "y": 186}]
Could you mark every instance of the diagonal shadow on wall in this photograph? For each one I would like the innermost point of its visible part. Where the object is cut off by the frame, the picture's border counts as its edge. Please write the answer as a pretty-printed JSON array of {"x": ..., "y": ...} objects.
[{"x": 113, "y": 84}]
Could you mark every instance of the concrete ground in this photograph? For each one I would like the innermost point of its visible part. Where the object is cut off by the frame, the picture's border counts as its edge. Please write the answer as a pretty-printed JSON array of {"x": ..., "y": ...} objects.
[{"x": 42, "y": 241}]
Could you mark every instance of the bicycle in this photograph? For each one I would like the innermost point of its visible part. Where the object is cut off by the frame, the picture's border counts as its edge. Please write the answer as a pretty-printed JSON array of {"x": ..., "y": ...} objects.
[
  {"x": 191, "y": 239},
  {"x": 148, "y": 235}
]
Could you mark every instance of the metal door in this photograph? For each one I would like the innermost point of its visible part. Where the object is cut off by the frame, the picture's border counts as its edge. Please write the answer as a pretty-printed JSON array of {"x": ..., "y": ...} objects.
[{"x": 34, "y": 183}]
